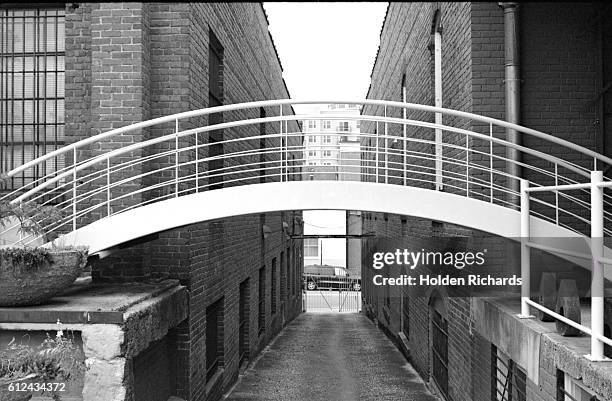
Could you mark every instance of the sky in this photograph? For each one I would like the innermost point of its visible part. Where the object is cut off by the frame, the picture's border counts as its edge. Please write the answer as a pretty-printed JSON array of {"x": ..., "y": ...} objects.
[{"x": 327, "y": 50}]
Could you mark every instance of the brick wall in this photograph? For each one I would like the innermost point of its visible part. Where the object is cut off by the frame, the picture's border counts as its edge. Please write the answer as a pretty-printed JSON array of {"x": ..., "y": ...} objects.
[
  {"x": 128, "y": 62},
  {"x": 559, "y": 76}
]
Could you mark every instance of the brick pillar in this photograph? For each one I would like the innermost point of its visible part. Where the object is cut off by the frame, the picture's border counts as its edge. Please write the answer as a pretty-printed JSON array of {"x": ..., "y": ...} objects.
[{"x": 119, "y": 97}]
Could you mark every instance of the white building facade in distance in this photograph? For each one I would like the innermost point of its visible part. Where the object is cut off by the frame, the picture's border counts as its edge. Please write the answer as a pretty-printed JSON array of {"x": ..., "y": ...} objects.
[{"x": 331, "y": 145}]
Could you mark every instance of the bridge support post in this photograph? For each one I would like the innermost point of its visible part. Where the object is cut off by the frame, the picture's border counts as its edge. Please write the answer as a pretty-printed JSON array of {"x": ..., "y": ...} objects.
[
  {"x": 597, "y": 280},
  {"x": 525, "y": 252}
]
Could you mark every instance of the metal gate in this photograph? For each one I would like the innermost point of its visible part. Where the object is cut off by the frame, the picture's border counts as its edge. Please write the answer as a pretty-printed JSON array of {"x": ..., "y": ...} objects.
[{"x": 324, "y": 297}]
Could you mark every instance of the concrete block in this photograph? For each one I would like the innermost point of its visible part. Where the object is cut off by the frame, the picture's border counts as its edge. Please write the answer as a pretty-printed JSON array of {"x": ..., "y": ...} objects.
[
  {"x": 568, "y": 305},
  {"x": 102, "y": 341}
]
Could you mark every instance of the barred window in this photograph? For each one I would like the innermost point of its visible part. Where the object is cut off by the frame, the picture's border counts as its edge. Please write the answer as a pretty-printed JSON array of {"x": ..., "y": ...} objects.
[{"x": 31, "y": 89}]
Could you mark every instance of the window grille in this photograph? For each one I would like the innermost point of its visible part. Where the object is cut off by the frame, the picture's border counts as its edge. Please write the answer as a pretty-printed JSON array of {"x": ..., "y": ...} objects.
[{"x": 32, "y": 77}]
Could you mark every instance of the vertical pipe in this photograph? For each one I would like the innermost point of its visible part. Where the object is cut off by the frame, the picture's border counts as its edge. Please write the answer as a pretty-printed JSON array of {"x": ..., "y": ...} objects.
[
  {"x": 512, "y": 89},
  {"x": 597, "y": 283},
  {"x": 525, "y": 250},
  {"x": 438, "y": 103}
]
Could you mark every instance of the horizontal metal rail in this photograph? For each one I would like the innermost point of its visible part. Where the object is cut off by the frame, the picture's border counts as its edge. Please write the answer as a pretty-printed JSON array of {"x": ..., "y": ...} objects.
[{"x": 569, "y": 322}]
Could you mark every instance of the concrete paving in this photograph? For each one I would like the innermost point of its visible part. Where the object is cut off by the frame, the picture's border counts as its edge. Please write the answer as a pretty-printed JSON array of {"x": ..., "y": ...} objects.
[{"x": 331, "y": 357}]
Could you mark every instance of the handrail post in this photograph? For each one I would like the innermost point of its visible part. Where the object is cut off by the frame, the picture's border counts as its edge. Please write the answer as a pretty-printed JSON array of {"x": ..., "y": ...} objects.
[
  {"x": 491, "y": 161},
  {"x": 176, "y": 159},
  {"x": 525, "y": 251},
  {"x": 74, "y": 189},
  {"x": 386, "y": 149},
  {"x": 377, "y": 151},
  {"x": 467, "y": 166},
  {"x": 287, "y": 151},
  {"x": 280, "y": 138},
  {"x": 108, "y": 191},
  {"x": 197, "y": 161},
  {"x": 597, "y": 283},
  {"x": 405, "y": 132},
  {"x": 556, "y": 194}
]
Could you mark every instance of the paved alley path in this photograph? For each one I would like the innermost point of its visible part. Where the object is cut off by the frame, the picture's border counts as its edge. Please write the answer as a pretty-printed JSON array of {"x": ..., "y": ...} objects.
[{"x": 331, "y": 357}]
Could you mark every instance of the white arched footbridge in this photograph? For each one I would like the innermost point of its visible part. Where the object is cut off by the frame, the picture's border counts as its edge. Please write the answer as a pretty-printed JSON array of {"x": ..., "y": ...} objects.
[{"x": 246, "y": 158}]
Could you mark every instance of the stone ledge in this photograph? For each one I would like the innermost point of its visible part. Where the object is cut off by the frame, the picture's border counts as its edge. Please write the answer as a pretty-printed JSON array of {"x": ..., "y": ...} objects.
[
  {"x": 87, "y": 303},
  {"x": 534, "y": 343}
]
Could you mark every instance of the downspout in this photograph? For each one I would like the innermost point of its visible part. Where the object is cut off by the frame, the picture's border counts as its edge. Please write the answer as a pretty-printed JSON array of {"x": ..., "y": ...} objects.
[{"x": 513, "y": 95}]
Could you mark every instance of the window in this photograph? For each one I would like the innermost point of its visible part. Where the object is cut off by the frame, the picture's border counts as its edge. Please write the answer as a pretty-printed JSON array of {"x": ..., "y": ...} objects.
[
  {"x": 439, "y": 344},
  {"x": 509, "y": 381},
  {"x": 294, "y": 261},
  {"x": 327, "y": 164},
  {"x": 312, "y": 138},
  {"x": 273, "y": 287},
  {"x": 214, "y": 338},
  {"x": 327, "y": 153},
  {"x": 215, "y": 98},
  {"x": 327, "y": 139},
  {"x": 312, "y": 124},
  {"x": 311, "y": 163},
  {"x": 311, "y": 247},
  {"x": 312, "y": 153},
  {"x": 261, "y": 316},
  {"x": 288, "y": 273},
  {"x": 243, "y": 321},
  {"x": 327, "y": 124},
  {"x": 283, "y": 276},
  {"x": 343, "y": 126},
  {"x": 570, "y": 389},
  {"x": 31, "y": 89},
  {"x": 405, "y": 312}
]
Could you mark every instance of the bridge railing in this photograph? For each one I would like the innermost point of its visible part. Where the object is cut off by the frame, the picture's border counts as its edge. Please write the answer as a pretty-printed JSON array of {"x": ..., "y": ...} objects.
[{"x": 180, "y": 154}]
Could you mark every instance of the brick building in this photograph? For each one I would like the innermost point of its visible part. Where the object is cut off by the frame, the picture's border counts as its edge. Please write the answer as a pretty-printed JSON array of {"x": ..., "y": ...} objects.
[
  {"x": 471, "y": 348},
  {"x": 72, "y": 71}
]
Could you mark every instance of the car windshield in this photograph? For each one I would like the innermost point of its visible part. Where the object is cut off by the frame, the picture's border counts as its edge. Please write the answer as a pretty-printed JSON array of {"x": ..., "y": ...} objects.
[{"x": 322, "y": 271}]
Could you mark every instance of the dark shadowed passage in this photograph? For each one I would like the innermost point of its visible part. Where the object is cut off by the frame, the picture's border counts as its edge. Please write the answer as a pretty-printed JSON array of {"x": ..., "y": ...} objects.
[{"x": 331, "y": 357}]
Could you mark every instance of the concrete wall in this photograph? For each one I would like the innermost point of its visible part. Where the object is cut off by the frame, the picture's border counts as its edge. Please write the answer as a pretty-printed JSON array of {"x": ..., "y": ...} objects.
[{"x": 128, "y": 62}]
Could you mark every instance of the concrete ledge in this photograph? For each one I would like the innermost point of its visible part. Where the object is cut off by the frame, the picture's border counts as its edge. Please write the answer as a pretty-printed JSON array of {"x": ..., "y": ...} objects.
[
  {"x": 533, "y": 343},
  {"x": 151, "y": 319},
  {"x": 87, "y": 303},
  {"x": 116, "y": 323}
]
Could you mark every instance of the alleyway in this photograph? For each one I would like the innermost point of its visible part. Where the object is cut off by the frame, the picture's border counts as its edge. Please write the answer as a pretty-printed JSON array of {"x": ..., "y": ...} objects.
[{"x": 331, "y": 357}]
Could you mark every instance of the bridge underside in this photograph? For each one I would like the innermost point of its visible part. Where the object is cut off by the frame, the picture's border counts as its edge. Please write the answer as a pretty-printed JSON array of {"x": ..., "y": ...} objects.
[{"x": 161, "y": 216}]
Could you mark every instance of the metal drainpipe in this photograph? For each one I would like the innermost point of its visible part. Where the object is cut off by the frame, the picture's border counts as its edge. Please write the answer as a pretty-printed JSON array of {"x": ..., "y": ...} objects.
[{"x": 513, "y": 95}]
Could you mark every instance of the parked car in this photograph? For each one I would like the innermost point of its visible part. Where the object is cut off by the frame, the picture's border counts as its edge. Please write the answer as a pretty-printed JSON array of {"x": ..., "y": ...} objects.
[{"x": 330, "y": 277}]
